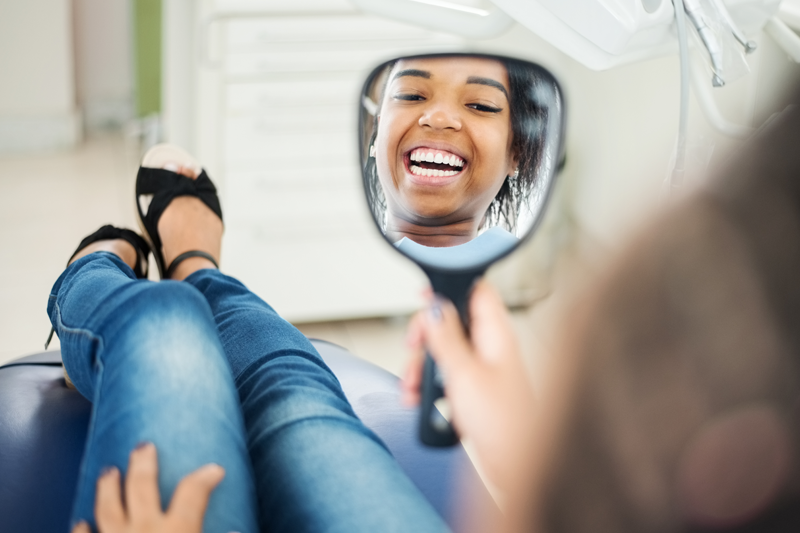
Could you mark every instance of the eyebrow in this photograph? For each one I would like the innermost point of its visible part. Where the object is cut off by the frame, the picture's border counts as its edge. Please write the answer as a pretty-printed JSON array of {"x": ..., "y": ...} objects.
[
  {"x": 471, "y": 80},
  {"x": 488, "y": 81},
  {"x": 413, "y": 72}
]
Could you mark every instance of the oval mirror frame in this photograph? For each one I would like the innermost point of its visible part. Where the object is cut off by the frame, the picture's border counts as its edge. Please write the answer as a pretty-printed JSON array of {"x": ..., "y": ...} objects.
[
  {"x": 534, "y": 90},
  {"x": 469, "y": 158}
]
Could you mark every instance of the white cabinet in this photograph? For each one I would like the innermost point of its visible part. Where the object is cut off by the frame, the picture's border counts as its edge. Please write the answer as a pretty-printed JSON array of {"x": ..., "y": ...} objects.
[{"x": 268, "y": 98}]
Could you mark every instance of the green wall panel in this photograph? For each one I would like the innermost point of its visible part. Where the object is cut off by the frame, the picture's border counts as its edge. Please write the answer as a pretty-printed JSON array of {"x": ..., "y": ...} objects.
[{"x": 147, "y": 31}]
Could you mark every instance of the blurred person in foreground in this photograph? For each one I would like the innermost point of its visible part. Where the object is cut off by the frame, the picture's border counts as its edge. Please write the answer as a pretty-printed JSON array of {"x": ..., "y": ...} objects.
[{"x": 674, "y": 404}]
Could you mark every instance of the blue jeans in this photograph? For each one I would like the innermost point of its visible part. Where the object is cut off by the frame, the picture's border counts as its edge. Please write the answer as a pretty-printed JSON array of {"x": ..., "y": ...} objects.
[{"x": 208, "y": 372}]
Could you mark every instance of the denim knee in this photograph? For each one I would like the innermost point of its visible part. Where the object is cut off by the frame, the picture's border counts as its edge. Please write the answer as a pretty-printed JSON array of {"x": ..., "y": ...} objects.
[
  {"x": 167, "y": 361},
  {"x": 163, "y": 332},
  {"x": 170, "y": 325}
]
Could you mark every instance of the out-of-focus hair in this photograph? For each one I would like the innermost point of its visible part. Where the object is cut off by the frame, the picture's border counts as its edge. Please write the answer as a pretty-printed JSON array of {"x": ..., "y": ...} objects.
[{"x": 686, "y": 407}]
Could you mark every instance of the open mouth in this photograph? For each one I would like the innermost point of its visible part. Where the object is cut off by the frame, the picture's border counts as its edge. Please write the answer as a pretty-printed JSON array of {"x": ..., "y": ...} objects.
[{"x": 428, "y": 162}]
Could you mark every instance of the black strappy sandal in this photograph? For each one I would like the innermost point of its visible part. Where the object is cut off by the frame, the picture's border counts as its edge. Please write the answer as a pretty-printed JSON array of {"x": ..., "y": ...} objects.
[
  {"x": 109, "y": 232},
  {"x": 162, "y": 186}
]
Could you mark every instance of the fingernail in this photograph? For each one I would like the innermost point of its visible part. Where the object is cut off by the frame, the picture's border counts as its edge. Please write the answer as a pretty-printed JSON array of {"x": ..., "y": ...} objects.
[
  {"x": 220, "y": 470},
  {"x": 142, "y": 445},
  {"x": 107, "y": 470},
  {"x": 435, "y": 310}
]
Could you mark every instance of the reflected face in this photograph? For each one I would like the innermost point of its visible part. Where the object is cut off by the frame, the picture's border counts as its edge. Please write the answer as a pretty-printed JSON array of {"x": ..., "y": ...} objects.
[{"x": 443, "y": 146}]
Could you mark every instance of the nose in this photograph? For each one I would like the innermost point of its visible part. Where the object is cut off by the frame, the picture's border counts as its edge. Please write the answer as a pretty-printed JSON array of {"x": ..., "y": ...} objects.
[{"x": 440, "y": 117}]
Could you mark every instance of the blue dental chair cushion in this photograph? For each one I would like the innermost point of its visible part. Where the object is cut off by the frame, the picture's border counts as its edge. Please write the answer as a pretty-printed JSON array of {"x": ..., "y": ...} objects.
[{"x": 43, "y": 427}]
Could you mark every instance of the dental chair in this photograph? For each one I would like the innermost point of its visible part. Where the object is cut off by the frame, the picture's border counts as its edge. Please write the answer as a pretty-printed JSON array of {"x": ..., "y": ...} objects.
[{"x": 43, "y": 426}]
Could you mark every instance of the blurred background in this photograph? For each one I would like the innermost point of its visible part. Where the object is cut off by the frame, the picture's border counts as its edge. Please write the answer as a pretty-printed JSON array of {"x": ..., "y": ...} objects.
[{"x": 265, "y": 94}]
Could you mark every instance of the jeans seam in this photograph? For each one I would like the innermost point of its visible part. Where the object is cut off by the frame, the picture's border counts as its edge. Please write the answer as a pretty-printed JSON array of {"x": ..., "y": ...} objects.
[
  {"x": 97, "y": 367},
  {"x": 83, "y": 474},
  {"x": 60, "y": 326}
]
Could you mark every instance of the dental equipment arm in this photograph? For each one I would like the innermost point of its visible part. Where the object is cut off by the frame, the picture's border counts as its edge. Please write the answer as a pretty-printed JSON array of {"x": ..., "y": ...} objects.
[
  {"x": 710, "y": 109},
  {"x": 696, "y": 15},
  {"x": 676, "y": 176},
  {"x": 749, "y": 46}
]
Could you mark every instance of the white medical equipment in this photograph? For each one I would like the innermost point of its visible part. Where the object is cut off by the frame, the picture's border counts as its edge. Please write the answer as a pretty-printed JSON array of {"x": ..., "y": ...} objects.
[{"x": 602, "y": 34}]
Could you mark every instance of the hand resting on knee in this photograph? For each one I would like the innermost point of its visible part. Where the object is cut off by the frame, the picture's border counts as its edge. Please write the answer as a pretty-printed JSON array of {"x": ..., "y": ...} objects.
[{"x": 139, "y": 510}]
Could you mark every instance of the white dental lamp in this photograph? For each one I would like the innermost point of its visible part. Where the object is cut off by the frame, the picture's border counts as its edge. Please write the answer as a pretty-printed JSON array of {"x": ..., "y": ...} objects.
[{"x": 600, "y": 34}]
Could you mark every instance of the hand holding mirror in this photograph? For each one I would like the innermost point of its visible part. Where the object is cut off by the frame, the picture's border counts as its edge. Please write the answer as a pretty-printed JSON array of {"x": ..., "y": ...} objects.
[{"x": 459, "y": 154}]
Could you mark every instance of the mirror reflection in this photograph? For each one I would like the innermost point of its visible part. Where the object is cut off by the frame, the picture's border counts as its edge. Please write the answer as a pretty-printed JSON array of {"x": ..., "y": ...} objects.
[{"x": 458, "y": 153}]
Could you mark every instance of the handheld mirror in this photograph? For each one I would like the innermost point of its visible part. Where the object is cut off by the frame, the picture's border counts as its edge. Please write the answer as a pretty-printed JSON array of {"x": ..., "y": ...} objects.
[{"x": 459, "y": 154}]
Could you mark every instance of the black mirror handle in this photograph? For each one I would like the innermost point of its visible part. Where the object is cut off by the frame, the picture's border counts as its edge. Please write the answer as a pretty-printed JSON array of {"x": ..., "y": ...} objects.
[{"x": 434, "y": 429}]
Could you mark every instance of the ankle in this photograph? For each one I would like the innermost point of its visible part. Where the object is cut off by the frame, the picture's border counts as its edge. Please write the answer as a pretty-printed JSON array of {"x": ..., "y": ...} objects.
[
  {"x": 186, "y": 225},
  {"x": 189, "y": 266},
  {"x": 119, "y": 247}
]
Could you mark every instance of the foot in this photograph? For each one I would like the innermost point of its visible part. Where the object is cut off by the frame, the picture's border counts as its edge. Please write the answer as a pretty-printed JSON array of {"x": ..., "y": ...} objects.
[
  {"x": 119, "y": 247},
  {"x": 187, "y": 223}
]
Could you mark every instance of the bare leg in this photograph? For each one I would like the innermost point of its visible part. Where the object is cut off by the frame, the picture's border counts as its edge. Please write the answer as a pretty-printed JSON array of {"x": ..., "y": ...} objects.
[{"x": 187, "y": 223}]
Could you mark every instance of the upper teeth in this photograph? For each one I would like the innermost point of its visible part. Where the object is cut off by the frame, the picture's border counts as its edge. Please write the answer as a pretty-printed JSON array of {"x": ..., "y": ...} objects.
[{"x": 437, "y": 156}]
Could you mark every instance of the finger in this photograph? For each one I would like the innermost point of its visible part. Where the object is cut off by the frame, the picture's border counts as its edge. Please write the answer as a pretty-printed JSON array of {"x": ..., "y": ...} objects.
[
  {"x": 426, "y": 292},
  {"x": 81, "y": 527},
  {"x": 108, "y": 509},
  {"x": 412, "y": 376},
  {"x": 191, "y": 496},
  {"x": 492, "y": 331},
  {"x": 444, "y": 337},
  {"x": 414, "y": 333},
  {"x": 141, "y": 484}
]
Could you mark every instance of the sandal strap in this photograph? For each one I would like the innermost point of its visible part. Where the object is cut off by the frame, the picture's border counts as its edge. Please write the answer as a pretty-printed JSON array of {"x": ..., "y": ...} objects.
[
  {"x": 165, "y": 186},
  {"x": 109, "y": 232},
  {"x": 186, "y": 255}
]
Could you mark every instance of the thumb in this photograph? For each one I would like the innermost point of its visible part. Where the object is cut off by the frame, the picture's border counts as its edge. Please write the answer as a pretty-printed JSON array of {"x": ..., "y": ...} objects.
[
  {"x": 444, "y": 336},
  {"x": 193, "y": 492},
  {"x": 492, "y": 331}
]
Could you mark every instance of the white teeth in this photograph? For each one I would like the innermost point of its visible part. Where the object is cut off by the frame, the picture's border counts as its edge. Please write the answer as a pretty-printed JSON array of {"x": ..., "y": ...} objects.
[
  {"x": 421, "y": 154},
  {"x": 429, "y": 172}
]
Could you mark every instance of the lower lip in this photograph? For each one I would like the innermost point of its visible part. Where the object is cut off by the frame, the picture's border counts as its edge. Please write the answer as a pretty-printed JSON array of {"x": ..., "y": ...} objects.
[{"x": 436, "y": 181}]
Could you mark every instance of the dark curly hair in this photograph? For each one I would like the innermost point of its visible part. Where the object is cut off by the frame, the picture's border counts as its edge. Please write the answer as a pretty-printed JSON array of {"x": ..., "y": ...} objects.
[{"x": 529, "y": 96}]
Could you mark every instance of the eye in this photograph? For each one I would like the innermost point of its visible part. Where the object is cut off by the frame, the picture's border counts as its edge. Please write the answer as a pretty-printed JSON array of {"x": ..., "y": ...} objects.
[
  {"x": 485, "y": 108},
  {"x": 408, "y": 97}
]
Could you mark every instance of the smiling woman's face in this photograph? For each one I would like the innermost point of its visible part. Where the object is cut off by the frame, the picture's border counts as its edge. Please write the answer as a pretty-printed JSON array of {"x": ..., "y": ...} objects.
[{"x": 443, "y": 147}]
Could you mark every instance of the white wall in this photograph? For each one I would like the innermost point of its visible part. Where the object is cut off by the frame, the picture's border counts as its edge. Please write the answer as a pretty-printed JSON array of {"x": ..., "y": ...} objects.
[
  {"x": 104, "y": 62},
  {"x": 625, "y": 124},
  {"x": 37, "y": 95}
]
